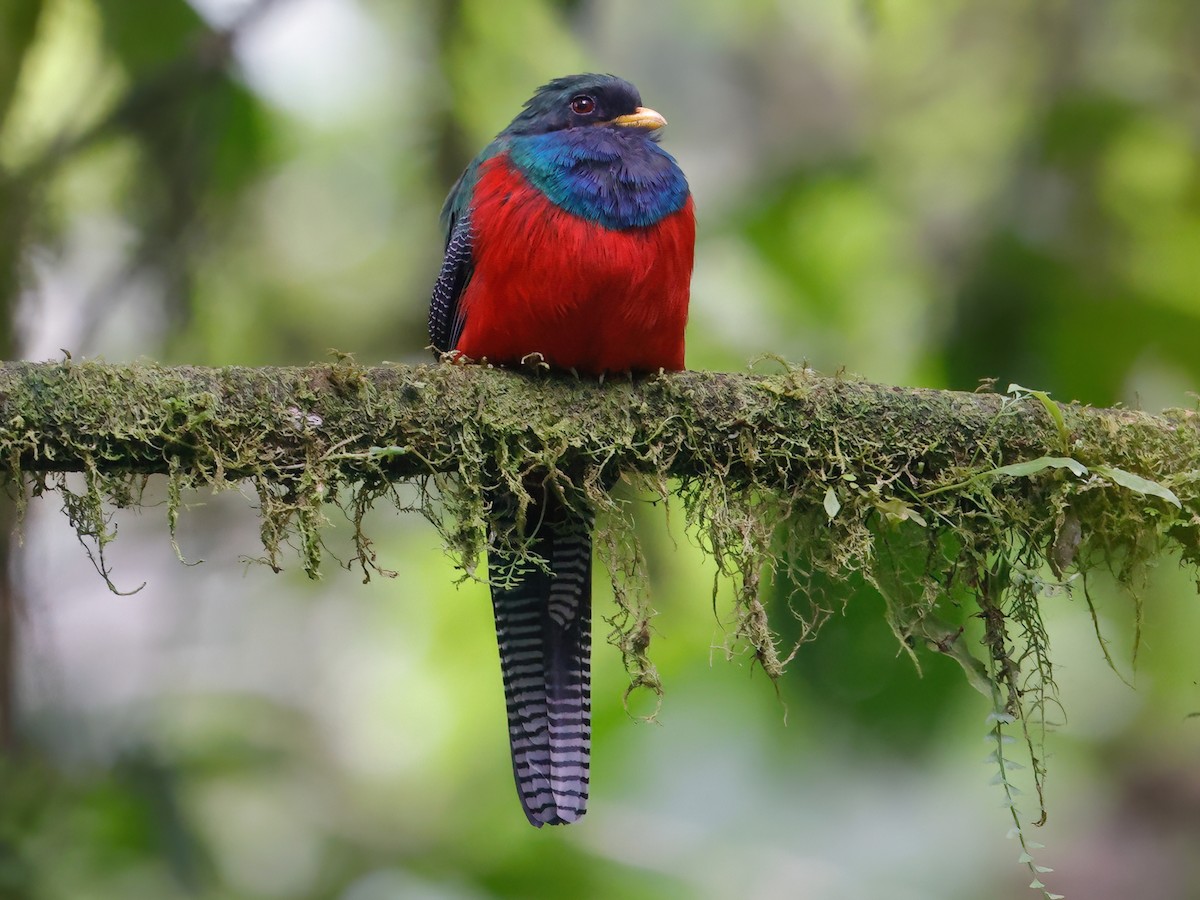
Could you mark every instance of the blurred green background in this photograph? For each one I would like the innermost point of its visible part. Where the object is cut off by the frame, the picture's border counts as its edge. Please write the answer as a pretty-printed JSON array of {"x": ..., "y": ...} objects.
[{"x": 923, "y": 194}]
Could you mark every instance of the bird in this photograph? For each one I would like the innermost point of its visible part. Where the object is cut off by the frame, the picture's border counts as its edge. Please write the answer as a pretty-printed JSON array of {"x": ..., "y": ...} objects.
[{"x": 570, "y": 240}]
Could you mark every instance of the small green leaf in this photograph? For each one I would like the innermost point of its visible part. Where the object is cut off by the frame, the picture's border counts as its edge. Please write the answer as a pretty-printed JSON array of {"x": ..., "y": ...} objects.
[
  {"x": 1036, "y": 883},
  {"x": 1025, "y": 858},
  {"x": 1033, "y": 466},
  {"x": 1052, "y": 410},
  {"x": 896, "y": 511},
  {"x": 1138, "y": 484},
  {"x": 832, "y": 504}
]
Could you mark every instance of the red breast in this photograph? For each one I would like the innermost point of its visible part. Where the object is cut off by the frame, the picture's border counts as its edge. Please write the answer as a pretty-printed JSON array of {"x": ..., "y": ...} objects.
[{"x": 583, "y": 296}]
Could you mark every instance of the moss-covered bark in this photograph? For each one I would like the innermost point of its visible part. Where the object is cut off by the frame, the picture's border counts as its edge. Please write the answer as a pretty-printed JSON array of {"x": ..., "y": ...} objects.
[
  {"x": 937, "y": 498},
  {"x": 423, "y": 420}
]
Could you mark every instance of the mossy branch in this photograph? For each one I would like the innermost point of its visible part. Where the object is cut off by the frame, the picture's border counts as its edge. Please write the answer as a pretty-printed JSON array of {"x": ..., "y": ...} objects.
[
  {"x": 774, "y": 430},
  {"x": 932, "y": 496}
]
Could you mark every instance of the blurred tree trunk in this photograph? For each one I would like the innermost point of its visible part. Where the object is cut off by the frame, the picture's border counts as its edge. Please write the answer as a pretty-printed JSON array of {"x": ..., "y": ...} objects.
[
  {"x": 18, "y": 26},
  {"x": 11, "y": 241},
  {"x": 10, "y": 605},
  {"x": 11, "y": 228}
]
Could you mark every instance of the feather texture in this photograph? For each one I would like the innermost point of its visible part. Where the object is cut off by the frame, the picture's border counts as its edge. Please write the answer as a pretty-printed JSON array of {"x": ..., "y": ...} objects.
[
  {"x": 446, "y": 316},
  {"x": 614, "y": 177},
  {"x": 587, "y": 298},
  {"x": 543, "y": 627}
]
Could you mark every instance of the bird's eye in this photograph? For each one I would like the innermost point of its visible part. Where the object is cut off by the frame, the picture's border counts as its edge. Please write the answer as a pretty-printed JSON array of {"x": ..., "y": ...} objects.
[{"x": 583, "y": 105}]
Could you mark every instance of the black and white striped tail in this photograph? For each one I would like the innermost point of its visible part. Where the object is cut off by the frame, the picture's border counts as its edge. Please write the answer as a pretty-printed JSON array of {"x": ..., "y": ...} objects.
[{"x": 543, "y": 625}]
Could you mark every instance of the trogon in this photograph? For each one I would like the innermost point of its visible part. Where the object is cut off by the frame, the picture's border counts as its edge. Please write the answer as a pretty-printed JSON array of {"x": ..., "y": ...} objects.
[{"x": 569, "y": 236}]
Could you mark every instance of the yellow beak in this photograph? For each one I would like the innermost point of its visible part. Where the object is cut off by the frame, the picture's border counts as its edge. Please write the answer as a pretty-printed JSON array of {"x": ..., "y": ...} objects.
[{"x": 640, "y": 118}]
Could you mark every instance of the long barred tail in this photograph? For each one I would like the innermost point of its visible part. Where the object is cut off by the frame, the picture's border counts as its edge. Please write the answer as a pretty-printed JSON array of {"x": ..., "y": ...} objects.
[{"x": 543, "y": 625}]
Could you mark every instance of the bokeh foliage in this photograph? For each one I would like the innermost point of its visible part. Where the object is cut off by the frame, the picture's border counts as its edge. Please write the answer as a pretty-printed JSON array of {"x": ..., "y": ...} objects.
[{"x": 923, "y": 194}]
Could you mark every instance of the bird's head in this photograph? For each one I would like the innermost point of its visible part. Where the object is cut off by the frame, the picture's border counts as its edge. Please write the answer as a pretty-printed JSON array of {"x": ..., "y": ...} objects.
[{"x": 581, "y": 101}]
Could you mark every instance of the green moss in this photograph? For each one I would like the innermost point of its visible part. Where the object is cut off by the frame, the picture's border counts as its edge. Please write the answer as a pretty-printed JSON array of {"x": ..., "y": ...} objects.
[{"x": 938, "y": 499}]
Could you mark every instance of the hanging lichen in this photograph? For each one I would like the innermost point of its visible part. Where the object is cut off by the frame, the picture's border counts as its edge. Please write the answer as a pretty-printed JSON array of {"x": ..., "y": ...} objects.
[{"x": 937, "y": 499}]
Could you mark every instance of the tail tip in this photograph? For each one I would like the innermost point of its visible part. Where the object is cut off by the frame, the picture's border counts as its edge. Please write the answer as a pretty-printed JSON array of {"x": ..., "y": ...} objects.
[{"x": 555, "y": 815}]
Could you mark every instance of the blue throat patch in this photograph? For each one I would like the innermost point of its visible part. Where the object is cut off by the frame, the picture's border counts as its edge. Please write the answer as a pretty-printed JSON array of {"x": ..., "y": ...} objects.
[{"x": 615, "y": 176}]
